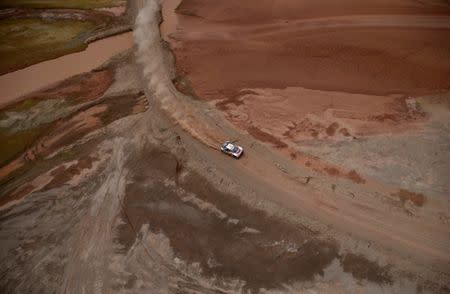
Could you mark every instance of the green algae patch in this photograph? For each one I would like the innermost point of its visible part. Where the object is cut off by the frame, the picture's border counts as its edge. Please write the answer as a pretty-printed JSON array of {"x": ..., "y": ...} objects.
[
  {"x": 20, "y": 106},
  {"x": 80, "y": 4},
  {"x": 27, "y": 41},
  {"x": 25, "y": 105},
  {"x": 16, "y": 143}
]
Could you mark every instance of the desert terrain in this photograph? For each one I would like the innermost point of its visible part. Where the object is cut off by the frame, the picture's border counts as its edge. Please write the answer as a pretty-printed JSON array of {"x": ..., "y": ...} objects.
[{"x": 112, "y": 112}]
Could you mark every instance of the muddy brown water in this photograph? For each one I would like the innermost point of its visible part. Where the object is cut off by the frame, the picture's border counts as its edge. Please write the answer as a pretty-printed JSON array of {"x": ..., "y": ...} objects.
[
  {"x": 16, "y": 84},
  {"x": 247, "y": 244}
]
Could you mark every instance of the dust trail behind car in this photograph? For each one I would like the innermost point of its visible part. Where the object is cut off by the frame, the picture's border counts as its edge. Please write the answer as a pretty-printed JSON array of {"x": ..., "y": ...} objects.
[{"x": 153, "y": 59}]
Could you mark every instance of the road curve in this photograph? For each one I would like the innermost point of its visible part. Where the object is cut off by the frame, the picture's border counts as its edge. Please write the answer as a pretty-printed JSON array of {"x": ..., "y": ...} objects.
[{"x": 425, "y": 241}]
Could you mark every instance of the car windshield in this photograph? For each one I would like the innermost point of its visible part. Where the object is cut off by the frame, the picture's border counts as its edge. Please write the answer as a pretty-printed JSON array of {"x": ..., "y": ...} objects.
[{"x": 230, "y": 147}]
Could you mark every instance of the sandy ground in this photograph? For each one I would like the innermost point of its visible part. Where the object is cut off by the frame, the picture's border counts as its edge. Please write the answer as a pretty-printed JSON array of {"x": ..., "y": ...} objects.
[
  {"x": 363, "y": 53},
  {"x": 303, "y": 83},
  {"x": 126, "y": 194},
  {"x": 320, "y": 96}
]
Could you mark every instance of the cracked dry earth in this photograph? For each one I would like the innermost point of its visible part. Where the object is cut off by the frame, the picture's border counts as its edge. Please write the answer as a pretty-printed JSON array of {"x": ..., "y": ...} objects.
[{"x": 108, "y": 184}]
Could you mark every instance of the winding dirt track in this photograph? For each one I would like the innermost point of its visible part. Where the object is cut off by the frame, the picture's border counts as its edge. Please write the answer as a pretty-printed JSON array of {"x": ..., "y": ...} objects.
[{"x": 422, "y": 239}]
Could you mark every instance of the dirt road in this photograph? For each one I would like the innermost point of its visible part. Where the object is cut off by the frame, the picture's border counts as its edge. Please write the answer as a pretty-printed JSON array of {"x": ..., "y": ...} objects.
[{"x": 364, "y": 210}]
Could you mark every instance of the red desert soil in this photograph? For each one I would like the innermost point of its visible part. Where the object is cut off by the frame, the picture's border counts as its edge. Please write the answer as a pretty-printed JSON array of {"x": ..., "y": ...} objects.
[
  {"x": 300, "y": 71},
  {"x": 290, "y": 73},
  {"x": 416, "y": 198}
]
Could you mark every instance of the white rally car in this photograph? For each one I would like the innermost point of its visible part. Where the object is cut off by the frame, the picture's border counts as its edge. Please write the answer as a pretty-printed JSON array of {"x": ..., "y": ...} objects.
[{"x": 231, "y": 149}]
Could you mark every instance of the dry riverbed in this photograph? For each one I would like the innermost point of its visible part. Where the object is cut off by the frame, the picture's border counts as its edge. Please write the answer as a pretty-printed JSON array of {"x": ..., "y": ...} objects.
[{"x": 108, "y": 182}]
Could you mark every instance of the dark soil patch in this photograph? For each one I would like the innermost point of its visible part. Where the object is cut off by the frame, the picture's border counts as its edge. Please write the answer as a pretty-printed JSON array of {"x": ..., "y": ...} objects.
[
  {"x": 332, "y": 171},
  {"x": 417, "y": 199},
  {"x": 385, "y": 117},
  {"x": 363, "y": 269},
  {"x": 351, "y": 175},
  {"x": 62, "y": 175},
  {"x": 355, "y": 177},
  {"x": 22, "y": 192},
  {"x": 344, "y": 132},
  {"x": 331, "y": 130},
  {"x": 277, "y": 252},
  {"x": 265, "y": 137}
]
